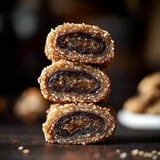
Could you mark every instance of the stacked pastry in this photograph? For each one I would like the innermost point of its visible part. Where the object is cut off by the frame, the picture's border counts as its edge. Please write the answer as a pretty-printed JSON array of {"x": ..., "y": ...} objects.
[{"x": 74, "y": 84}]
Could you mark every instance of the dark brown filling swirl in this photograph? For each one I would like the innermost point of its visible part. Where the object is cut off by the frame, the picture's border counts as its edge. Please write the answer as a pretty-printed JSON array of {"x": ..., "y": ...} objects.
[
  {"x": 73, "y": 81},
  {"x": 82, "y": 43},
  {"x": 79, "y": 123}
]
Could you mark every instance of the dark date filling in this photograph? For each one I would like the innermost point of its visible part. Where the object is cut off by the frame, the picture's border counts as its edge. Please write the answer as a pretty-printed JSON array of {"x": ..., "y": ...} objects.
[
  {"x": 79, "y": 123},
  {"x": 73, "y": 81},
  {"x": 82, "y": 43}
]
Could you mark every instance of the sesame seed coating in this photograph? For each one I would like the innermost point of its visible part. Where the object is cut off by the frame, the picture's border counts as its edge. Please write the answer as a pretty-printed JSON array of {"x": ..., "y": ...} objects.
[
  {"x": 58, "y": 111},
  {"x": 73, "y": 83},
  {"x": 53, "y": 95},
  {"x": 54, "y": 52}
]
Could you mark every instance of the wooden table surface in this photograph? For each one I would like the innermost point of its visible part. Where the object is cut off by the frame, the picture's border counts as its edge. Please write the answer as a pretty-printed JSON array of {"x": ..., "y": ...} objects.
[{"x": 118, "y": 147}]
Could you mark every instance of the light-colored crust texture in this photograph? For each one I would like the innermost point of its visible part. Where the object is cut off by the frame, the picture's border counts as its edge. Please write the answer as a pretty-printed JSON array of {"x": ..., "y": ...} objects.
[
  {"x": 56, "y": 111},
  {"x": 53, "y": 52},
  {"x": 64, "y": 97}
]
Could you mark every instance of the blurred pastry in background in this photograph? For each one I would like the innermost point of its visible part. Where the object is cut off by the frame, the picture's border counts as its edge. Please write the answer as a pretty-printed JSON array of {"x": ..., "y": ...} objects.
[
  {"x": 3, "y": 104},
  {"x": 149, "y": 86},
  {"x": 30, "y": 106},
  {"x": 140, "y": 104},
  {"x": 154, "y": 108},
  {"x": 142, "y": 111},
  {"x": 147, "y": 99},
  {"x": 134, "y": 104}
]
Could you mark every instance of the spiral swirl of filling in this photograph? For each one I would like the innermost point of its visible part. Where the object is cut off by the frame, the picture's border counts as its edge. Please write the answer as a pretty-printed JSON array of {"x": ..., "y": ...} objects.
[
  {"x": 82, "y": 43},
  {"x": 79, "y": 123},
  {"x": 73, "y": 81}
]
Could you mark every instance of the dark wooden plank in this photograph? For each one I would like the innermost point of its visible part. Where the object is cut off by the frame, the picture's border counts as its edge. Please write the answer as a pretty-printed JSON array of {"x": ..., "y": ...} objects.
[{"x": 31, "y": 137}]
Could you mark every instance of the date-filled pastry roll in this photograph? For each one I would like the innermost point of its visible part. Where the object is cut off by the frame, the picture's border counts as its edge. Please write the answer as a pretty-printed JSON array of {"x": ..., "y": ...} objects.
[
  {"x": 81, "y": 123},
  {"x": 79, "y": 42},
  {"x": 65, "y": 81}
]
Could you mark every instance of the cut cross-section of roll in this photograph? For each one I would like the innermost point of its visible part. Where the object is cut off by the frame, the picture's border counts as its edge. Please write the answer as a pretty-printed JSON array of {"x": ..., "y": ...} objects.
[
  {"x": 79, "y": 42},
  {"x": 65, "y": 81},
  {"x": 80, "y": 123}
]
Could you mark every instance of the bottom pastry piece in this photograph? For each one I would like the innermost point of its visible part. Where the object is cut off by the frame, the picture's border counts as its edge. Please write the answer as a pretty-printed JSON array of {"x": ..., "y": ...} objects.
[{"x": 81, "y": 123}]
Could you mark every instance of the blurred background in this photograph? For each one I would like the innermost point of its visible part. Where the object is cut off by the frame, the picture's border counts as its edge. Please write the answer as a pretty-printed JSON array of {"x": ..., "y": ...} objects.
[{"x": 24, "y": 24}]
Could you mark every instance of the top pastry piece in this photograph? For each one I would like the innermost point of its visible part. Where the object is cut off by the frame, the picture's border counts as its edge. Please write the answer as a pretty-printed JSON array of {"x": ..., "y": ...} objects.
[{"x": 81, "y": 43}]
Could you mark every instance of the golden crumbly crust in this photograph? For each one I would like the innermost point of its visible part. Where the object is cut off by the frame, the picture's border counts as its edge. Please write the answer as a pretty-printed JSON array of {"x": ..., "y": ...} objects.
[
  {"x": 63, "y": 97},
  {"x": 56, "y": 111},
  {"x": 54, "y": 52}
]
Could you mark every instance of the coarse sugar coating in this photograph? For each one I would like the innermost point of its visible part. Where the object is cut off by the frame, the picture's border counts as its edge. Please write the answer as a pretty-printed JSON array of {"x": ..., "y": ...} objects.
[
  {"x": 81, "y": 43},
  {"x": 80, "y": 123},
  {"x": 65, "y": 81}
]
